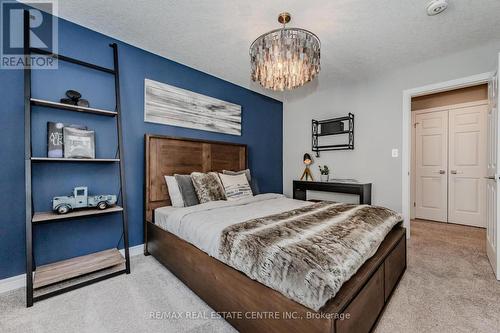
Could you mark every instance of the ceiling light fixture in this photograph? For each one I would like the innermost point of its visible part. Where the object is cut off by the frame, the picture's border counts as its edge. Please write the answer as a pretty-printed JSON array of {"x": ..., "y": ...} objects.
[{"x": 285, "y": 58}]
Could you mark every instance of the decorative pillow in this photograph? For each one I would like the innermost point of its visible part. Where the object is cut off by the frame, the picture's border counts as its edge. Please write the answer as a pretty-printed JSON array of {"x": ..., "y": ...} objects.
[
  {"x": 187, "y": 190},
  {"x": 236, "y": 186},
  {"x": 251, "y": 181},
  {"x": 174, "y": 192},
  {"x": 254, "y": 186},
  {"x": 207, "y": 186},
  {"x": 233, "y": 173}
]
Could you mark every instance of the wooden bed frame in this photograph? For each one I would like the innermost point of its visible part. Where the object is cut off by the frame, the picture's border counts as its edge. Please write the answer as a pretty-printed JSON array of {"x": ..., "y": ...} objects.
[{"x": 247, "y": 304}]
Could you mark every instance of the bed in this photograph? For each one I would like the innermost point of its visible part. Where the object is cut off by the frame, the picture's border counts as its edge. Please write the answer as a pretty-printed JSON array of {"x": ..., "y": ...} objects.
[{"x": 190, "y": 252}]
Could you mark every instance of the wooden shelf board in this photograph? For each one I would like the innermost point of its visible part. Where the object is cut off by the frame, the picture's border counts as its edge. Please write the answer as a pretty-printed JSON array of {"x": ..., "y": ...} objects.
[
  {"x": 52, "y": 159},
  {"x": 71, "y": 268},
  {"x": 51, "y": 216},
  {"x": 77, "y": 282},
  {"x": 57, "y": 105}
]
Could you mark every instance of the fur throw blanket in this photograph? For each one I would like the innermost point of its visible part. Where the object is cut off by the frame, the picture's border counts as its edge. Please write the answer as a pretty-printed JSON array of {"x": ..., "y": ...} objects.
[{"x": 307, "y": 253}]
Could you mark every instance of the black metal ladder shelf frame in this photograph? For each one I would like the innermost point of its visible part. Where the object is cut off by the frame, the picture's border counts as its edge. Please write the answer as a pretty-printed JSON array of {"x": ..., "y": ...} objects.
[
  {"x": 316, "y": 135},
  {"x": 29, "y": 159}
]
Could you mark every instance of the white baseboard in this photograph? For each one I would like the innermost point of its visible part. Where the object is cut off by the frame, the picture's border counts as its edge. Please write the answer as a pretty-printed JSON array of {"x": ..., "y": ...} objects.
[
  {"x": 19, "y": 281},
  {"x": 134, "y": 250},
  {"x": 12, "y": 283}
]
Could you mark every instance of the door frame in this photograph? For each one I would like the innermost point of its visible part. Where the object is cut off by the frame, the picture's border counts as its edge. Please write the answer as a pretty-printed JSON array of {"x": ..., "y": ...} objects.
[{"x": 406, "y": 159}]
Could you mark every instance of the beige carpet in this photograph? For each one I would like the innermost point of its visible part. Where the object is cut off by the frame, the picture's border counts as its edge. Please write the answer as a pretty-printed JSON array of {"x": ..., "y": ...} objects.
[{"x": 448, "y": 287}]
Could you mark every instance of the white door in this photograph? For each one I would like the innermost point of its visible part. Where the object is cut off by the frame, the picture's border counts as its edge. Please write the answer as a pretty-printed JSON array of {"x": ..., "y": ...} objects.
[
  {"x": 493, "y": 200},
  {"x": 467, "y": 166},
  {"x": 431, "y": 147}
]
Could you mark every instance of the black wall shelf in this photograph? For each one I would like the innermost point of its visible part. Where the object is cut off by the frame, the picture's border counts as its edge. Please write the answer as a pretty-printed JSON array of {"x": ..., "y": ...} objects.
[
  {"x": 72, "y": 60},
  {"x": 38, "y": 278},
  {"x": 329, "y": 127}
]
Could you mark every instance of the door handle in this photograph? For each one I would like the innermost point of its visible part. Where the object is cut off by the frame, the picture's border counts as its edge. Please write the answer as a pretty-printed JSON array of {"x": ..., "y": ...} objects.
[
  {"x": 441, "y": 172},
  {"x": 453, "y": 172}
]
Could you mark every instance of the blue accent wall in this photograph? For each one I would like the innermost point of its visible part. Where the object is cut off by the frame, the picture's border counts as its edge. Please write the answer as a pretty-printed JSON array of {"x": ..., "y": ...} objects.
[{"x": 261, "y": 131}]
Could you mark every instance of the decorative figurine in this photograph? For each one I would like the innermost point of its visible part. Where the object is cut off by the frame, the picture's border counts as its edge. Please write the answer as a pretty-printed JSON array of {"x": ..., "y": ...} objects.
[
  {"x": 74, "y": 95},
  {"x": 307, "y": 173},
  {"x": 75, "y": 98},
  {"x": 81, "y": 199}
]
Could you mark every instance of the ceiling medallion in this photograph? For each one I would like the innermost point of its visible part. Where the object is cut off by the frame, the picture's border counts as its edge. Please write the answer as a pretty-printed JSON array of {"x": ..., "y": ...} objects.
[{"x": 285, "y": 58}]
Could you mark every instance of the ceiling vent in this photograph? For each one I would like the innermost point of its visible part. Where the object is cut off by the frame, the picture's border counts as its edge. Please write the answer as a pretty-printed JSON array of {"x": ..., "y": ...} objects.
[{"x": 436, "y": 7}]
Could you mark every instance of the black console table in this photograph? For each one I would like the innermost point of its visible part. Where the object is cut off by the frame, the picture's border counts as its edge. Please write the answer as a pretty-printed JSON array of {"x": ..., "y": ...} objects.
[{"x": 364, "y": 190}]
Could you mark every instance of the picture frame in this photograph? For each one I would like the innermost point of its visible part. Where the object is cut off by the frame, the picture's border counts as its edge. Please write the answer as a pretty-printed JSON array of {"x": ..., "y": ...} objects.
[{"x": 79, "y": 143}]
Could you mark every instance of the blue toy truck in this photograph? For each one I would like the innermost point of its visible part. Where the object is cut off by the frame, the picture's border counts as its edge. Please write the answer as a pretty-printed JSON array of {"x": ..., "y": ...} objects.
[{"x": 81, "y": 199}]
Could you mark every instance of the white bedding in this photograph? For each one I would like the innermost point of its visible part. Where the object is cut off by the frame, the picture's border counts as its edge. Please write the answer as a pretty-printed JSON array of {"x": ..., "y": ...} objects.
[{"x": 202, "y": 225}]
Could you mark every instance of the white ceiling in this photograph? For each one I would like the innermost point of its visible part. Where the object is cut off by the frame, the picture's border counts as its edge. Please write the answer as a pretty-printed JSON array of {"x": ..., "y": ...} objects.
[{"x": 358, "y": 37}]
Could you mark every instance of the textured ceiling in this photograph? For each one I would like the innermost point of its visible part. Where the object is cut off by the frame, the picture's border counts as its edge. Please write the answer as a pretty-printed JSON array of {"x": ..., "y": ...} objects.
[{"x": 359, "y": 37}]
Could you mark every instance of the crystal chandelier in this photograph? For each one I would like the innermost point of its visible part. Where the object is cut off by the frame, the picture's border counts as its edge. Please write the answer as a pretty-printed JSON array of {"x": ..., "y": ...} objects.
[{"x": 285, "y": 58}]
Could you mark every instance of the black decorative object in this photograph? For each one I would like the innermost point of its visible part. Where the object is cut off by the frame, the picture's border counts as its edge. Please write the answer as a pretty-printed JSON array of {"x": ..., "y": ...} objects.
[
  {"x": 75, "y": 98},
  {"x": 332, "y": 128},
  {"x": 83, "y": 102},
  {"x": 68, "y": 101},
  {"x": 335, "y": 126},
  {"x": 74, "y": 95}
]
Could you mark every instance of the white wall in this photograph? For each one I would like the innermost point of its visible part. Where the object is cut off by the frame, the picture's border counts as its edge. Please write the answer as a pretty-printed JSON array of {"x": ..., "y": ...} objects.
[{"x": 377, "y": 105}]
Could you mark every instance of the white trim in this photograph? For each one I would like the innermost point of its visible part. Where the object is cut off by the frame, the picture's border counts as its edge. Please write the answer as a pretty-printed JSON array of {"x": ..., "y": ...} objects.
[
  {"x": 452, "y": 107},
  {"x": 491, "y": 253},
  {"x": 412, "y": 171},
  {"x": 19, "y": 281},
  {"x": 406, "y": 153},
  {"x": 12, "y": 283},
  {"x": 134, "y": 250}
]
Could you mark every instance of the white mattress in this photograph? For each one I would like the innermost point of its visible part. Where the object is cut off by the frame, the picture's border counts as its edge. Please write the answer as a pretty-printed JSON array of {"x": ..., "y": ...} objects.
[{"x": 202, "y": 225}]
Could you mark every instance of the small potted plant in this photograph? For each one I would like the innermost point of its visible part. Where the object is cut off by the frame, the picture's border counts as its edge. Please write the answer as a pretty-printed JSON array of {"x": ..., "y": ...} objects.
[{"x": 325, "y": 173}]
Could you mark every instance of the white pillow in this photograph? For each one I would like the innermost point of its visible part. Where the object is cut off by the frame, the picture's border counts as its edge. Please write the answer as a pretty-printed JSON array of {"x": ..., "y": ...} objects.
[
  {"x": 174, "y": 192},
  {"x": 236, "y": 186}
]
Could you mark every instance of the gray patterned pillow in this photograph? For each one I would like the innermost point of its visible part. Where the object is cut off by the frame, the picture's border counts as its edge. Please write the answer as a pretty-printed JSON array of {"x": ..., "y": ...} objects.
[
  {"x": 235, "y": 186},
  {"x": 251, "y": 180},
  {"x": 207, "y": 186},
  {"x": 234, "y": 173}
]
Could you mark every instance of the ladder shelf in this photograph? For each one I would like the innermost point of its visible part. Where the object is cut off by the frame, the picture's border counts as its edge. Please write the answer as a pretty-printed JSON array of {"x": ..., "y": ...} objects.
[{"x": 69, "y": 274}]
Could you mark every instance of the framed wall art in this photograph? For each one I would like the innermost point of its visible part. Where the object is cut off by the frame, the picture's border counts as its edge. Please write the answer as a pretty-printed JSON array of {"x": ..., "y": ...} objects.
[{"x": 169, "y": 105}]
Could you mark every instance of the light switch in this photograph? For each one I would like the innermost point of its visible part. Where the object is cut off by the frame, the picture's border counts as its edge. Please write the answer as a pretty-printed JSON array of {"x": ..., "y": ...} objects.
[{"x": 395, "y": 153}]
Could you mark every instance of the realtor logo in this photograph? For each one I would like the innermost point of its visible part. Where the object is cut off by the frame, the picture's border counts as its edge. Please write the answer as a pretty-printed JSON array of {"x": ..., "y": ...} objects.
[{"x": 42, "y": 31}]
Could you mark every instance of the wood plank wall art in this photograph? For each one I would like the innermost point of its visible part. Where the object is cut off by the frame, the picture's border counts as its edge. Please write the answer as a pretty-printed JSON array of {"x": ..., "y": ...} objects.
[{"x": 169, "y": 105}]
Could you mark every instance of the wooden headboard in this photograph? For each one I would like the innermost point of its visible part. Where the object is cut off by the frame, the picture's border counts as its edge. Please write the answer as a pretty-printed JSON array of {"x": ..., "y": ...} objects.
[{"x": 166, "y": 156}]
